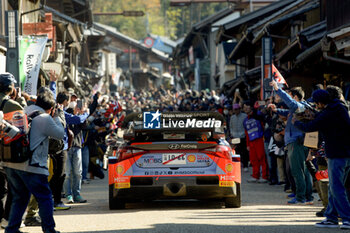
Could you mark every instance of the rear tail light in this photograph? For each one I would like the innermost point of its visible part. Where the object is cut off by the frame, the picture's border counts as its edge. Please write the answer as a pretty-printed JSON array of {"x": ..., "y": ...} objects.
[
  {"x": 222, "y": 151},
  {"x": 127, "y": 153},
  {"x": 236, "y": 158}
]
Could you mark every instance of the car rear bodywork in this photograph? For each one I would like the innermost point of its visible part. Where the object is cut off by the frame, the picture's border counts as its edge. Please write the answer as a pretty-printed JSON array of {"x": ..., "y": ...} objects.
[{"x": 206, "y": 169}]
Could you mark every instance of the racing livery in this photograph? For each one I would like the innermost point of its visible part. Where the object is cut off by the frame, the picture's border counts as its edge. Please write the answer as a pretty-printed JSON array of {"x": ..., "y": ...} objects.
[{"x": 166, "y": 160}]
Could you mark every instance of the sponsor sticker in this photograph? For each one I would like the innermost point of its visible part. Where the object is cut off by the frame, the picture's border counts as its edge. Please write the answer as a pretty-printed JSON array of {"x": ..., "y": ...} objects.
[
  {"x": 203, "y": 159},
  {"x": 229, "y": 167},
  {"x": 226, "y": 178},
  {"x": 191, "y": 158},
  {"x": 151, "y": 159},
  {"x": 174, "y": 136},
  {"x": 226, "y": 183},
  {"x": 122, "y": 179},
  {"x": 122, "y": 185}
]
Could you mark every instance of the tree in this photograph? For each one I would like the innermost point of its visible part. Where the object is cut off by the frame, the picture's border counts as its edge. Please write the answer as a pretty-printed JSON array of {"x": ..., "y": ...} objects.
[{"x": 159, "y": 19}]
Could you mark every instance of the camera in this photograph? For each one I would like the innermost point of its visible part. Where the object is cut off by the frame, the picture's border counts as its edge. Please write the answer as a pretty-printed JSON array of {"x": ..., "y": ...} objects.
[
  {"x": 10, "y": 130},
  {"x": 305, "y": 113}
]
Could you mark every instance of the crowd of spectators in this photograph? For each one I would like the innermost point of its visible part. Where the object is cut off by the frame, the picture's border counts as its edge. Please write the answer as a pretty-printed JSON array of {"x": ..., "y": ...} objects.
[
  {"x": 271, "y": 134},
  {"x": 66, "y": 139}
]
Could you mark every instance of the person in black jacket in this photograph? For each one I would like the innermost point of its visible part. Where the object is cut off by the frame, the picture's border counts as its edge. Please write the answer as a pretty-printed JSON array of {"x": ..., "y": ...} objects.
[{"x": 333, "y": 122}]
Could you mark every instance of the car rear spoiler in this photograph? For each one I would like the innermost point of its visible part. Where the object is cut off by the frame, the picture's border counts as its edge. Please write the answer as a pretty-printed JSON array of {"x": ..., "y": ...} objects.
[
  {"x": 137, "y": 118},
  {"x": 173, "y": 145}
]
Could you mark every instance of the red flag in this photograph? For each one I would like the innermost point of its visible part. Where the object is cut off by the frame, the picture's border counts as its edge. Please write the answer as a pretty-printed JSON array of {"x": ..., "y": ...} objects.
[{"x": 277, "y": 76}]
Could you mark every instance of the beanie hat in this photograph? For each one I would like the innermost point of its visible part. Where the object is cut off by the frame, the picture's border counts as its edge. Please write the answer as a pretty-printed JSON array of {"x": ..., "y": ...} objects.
[{"x": 321, "y": 96}]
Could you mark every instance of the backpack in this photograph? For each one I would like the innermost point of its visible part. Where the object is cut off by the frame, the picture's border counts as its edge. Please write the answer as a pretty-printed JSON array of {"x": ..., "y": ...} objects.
[
  {"x": 17, "y": 150},
  {"x": 56, "y": 145}
]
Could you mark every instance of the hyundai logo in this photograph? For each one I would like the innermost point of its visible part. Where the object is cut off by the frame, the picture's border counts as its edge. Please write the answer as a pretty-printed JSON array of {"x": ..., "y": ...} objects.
[{"x": 174, "y": 146}]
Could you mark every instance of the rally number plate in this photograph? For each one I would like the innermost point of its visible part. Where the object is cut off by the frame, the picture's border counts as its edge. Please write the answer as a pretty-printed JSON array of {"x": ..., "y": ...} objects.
[{"x": 174, "y": 159}]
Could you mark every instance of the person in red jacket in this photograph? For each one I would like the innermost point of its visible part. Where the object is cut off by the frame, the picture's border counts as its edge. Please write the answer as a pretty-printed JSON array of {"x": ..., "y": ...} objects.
[{"x": 254, "y": 131}]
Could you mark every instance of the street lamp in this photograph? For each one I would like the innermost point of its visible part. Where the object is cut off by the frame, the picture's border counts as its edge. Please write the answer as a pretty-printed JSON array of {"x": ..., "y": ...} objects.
[
  {"x": 124, "y": 13},
  {"x": 189, "y": 2},
  {"x": 12, "y": 54}
]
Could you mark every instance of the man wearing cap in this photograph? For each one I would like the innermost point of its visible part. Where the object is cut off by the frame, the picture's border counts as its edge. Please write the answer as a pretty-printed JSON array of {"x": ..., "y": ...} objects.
[
  {"x": 333, "y": 122},
  {"x": 7, "y": 82},
  {"x": 237, "y": 131}
]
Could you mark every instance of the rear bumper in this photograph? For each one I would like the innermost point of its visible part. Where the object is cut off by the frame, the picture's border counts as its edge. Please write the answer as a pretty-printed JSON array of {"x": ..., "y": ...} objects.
[{"x": 194, "y": 187}]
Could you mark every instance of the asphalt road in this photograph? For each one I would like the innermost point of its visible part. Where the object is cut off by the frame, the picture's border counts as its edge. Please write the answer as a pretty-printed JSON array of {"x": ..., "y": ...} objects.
[{"x": 263, "y": 210}]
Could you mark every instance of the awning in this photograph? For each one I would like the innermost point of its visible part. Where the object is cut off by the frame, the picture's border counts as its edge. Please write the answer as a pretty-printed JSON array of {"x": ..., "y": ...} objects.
[
  {"x": 308, "y": 53},
  {"x": 314, "y": 32},
  {"x": 305, "y": 39},
  {"x": 288, "y": 51},
  {"x": 253, "y": 73},
  {"x": 62, "y": 16},
  {"x": 230, "y": 86},
  {"x": 271, "y": 23},
  {"x": 146, "y": 72},
  {"x": 241, "y": 49},
  {"x": 235, "y": 26},
  {"x": 113, "y": 49},
  {"x": 341, "y": 38}
]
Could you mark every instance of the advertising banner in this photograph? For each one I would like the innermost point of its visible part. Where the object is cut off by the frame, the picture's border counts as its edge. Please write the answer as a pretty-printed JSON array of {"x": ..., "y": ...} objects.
[{"x": 30, "y": 53}]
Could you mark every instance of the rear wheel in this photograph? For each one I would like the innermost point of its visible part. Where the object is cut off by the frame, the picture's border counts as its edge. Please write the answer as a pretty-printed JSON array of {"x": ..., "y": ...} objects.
[
  {"x": 115, "y": 203},
  {"x": 234, "y": 202}
]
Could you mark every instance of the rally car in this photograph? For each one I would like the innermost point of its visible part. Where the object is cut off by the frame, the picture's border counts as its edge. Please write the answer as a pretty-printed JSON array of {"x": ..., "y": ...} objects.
[{"x": 174, "y": 155}]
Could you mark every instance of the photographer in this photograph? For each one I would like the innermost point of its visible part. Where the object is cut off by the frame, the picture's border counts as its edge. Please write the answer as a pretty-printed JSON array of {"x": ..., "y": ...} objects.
[{"x": 32, "y": 176}]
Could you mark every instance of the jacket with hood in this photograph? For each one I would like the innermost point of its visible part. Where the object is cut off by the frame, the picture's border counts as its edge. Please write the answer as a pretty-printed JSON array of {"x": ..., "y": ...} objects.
[{"x": 333, "y": 123}]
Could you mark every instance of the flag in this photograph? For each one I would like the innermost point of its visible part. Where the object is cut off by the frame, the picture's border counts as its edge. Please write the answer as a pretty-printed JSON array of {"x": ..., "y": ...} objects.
[
  {"x": 31, "y": 52},
  {"x": 277, "y": 76}
]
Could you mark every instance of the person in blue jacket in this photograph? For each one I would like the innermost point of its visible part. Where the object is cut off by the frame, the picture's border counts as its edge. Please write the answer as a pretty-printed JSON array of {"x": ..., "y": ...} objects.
[
  {"x": 333, "y": 122},
  {"x": 294, "y": 140}
]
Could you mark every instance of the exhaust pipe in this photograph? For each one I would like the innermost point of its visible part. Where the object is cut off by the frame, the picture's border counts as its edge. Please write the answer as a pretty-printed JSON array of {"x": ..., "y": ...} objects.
[{"x": 174, "y": 189}]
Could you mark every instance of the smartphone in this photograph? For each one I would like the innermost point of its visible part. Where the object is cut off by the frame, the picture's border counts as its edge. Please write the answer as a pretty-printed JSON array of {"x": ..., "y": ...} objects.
[
  {"x": 80, "y": 104},
  {"x": 261, "y": 103},
  {"x": 19, "y": 93}
]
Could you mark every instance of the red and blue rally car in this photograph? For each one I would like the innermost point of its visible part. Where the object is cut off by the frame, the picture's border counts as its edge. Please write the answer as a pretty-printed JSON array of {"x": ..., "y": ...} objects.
[{"x": 174, "y": 155}]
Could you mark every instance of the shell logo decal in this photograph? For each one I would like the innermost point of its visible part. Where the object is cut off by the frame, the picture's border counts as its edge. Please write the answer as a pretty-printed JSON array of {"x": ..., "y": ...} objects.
[
  {"x": 120, "y": 170},
  {"x": 191, "y": 158},
  {"x": 229, "y": 167}
]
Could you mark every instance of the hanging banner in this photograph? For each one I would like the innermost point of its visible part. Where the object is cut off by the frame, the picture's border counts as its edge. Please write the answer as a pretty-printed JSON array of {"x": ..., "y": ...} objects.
[{"x": 30, "y": 52}]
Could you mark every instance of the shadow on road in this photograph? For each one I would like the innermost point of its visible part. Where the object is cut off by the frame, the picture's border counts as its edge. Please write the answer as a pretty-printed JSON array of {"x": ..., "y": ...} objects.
[{"x": 206, "y": 228}]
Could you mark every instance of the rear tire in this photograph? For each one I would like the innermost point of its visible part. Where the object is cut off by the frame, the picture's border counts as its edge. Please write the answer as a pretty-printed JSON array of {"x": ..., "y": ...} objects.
[
  {"x": 234, "y": 202},
  {"x": 115, "y": 203}
]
